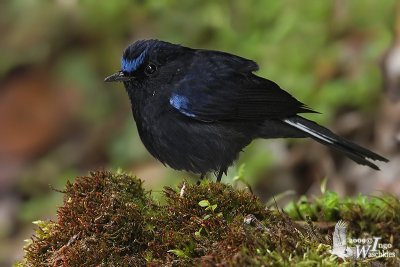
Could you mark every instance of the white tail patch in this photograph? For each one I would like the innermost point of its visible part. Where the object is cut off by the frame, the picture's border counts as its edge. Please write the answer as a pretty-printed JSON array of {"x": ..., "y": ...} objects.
[{"x": 310, "y": 131}]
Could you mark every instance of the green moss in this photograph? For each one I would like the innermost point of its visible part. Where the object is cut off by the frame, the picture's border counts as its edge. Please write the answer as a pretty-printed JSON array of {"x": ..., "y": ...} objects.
[
  {"x": 110, "y": 220},
  {"x": 375, "y": 216}
]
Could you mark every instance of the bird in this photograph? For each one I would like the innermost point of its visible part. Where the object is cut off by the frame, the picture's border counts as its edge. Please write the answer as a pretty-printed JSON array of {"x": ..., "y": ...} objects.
[
  {"x": 197, "y": 109},
  {"x": 339, "y": 242}
]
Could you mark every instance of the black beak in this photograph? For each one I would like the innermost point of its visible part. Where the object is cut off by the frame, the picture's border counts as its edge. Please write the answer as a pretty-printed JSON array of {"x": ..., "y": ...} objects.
[{"x": 117, "y": 77}]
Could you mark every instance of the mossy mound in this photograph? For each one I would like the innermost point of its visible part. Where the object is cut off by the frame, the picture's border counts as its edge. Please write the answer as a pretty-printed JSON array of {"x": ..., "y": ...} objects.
[{"x": 110, "y": 220}]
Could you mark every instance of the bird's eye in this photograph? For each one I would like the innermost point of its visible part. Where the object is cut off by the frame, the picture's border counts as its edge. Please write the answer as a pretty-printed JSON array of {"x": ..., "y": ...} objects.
[{"x": 150, "y": 69}]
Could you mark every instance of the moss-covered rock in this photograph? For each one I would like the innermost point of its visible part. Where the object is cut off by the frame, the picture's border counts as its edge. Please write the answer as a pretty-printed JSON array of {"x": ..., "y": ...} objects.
[{"x": 110, "y": 220}]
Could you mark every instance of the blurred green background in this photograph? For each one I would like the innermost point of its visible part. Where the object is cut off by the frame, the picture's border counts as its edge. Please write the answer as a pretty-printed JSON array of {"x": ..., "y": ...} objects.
[{"x": 59, "y": 120}]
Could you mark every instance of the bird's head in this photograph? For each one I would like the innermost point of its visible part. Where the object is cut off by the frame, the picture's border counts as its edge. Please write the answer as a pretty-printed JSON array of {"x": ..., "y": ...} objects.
[{"x": 146, "y": 60}]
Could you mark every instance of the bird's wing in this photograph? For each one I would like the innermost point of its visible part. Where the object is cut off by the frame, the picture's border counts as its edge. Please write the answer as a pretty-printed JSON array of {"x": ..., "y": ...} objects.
[
  {"x": 220, "y": 86},
  {"x": 339, "y": 236}
]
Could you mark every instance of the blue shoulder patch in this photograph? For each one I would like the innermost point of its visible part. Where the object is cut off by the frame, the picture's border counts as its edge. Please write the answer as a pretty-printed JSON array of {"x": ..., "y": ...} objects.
[
  {"x": 181, "y": 103},
  {"x": 130, "y": 65}
]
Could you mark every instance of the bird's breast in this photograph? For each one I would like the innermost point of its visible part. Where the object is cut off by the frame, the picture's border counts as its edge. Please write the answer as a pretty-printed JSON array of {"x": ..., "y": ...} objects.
[{"x": 186, "y": 144}]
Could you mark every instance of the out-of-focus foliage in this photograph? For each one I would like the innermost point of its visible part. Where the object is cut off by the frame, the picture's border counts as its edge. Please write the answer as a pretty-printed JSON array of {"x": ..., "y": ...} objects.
[
  {"x": 362, "y": 212},
  {"x": 58, "y": 118}
]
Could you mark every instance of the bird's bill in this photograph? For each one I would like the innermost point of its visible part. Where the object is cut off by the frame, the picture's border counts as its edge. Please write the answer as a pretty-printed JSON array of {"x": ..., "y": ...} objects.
[{"x": 117, "y": 77}]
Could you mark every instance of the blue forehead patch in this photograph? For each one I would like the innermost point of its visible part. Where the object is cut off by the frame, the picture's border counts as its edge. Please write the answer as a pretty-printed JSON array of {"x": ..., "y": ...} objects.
[
  {"x": 181, "y": 103},
  {"x": 130, "y": 65}
]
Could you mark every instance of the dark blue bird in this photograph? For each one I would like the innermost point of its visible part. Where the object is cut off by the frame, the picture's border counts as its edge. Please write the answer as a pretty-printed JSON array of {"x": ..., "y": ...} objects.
[{"x": 196, "y": 109}]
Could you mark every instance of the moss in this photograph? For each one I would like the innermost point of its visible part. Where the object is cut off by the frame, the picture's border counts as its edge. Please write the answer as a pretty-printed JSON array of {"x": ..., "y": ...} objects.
[
  {"x": 110, "y": 220},
  {"x": 373, "y": 216},
  {"x": 101, "y": 222}
]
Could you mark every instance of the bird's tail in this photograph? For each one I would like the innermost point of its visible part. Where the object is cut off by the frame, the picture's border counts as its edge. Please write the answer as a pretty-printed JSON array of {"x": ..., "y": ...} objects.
[{"x": 321, "y": 134}]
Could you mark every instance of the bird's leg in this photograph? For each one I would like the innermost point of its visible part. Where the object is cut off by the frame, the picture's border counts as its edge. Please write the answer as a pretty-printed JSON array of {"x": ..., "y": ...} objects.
[
  {"x": 200, "y": 179},
  {"x": 220, "y": 173}
]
